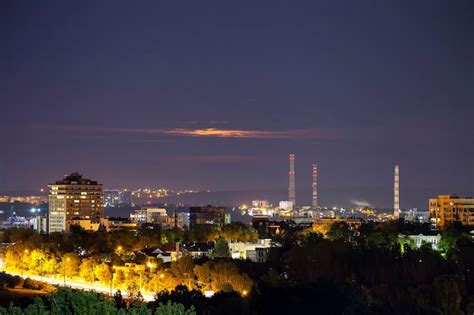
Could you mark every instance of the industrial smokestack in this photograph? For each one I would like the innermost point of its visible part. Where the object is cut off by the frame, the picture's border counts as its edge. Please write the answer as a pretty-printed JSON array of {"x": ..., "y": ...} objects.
[
  {"x": 291, "y": 187},
  {"x": 315, "y": 187},
  {"x": 396, "y": 193}
]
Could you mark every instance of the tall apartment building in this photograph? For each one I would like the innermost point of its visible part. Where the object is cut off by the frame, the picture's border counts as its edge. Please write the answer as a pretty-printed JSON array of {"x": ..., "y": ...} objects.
[
  {"x": 448, "y": 209},
  {"x": 73, "y": 199},
  {"x": 208, "y": 215},
  {"x": 111, "y": 197}
]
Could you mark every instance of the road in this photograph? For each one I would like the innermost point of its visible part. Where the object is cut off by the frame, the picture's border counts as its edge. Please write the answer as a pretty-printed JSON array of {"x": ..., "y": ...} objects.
[{"x": 96, "y": 287}]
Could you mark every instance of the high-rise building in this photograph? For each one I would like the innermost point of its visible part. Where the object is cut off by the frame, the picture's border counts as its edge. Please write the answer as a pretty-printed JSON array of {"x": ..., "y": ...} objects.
[
  {"x": 396, "y": 193},
  {"x": 111, "y": 197},
  {"x": 291, "y": 186},
  {"x": 314, "y": 187},
  {"x": 208, "y": 215},
  {"x": 125, "y": 198},
  {"x": 72, "y": 199},
  {"x": 449, "y": 209}
]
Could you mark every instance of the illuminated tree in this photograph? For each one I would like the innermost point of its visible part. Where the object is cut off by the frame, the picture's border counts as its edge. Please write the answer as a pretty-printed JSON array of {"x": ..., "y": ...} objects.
[
  {"x": 86, "y": 270},
  {"x": 321, "y": 229},
  {"x": 183, "y": 270},
  {"x": 70, "y": 264},
  {"x": 12, "y": 259},
  {"x": 37, "y": 260},
  {"x": 50, "y": 266},
  {"x": 103, "y": 273},
  {"x": 220, "y": 275},
  {"x": 119, "y": 278}
]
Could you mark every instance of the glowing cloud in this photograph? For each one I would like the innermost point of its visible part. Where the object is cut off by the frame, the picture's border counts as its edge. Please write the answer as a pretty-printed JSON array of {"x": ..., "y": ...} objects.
[{"x": 310, "y": 133}]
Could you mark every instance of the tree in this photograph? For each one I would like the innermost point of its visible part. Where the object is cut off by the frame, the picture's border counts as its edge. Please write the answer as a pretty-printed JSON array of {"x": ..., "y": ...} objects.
[
  {"x": 446, "y": 295},
  {"x": 171, "y": 308},
  {"x": 119, "y": 278},
  {"x": 183, "y": 269},
  {"x": 221, "y": 249},
  {"x": 86, "y": 270},
  {"x": 66, "y": 301},
  {"x": 70, "y": 264},
  {"x": 340, "y": 230},
  {"x": 103, "y": 273},
  {"x": 181, "y": 295},
  {"x": 37, "y": 260},
  {"x": 218, "y": 275}
]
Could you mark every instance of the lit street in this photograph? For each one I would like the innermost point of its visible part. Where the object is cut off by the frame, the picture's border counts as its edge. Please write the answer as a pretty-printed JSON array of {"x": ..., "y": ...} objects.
[{"x": 96, "y": 287}]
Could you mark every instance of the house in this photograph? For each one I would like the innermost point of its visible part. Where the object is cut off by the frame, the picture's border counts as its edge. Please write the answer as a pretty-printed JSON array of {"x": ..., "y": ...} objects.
[
  {"x": 197, "y": 250},
  {"x": 256, "y": 252}
]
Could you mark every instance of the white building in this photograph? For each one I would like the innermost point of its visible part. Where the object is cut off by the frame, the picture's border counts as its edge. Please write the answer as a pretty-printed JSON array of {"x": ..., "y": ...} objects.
[
  {"x": 39, "y": 224},
  {"x": 256, "y": 252},
  {"x": 147, "y": 215},
  {"x": 421, "y": 239},
  {"x": 286, "y": 205},
  {"x": 261, "y": 204}
]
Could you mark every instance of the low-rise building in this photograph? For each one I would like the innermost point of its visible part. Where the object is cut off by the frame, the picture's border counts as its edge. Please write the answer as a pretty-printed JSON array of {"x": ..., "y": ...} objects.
[
  {"x": 208, "y": 215},
  {"x": 148, "y": 215},
  {"x": 256, "y": 252},
  {"x": 197, "y": 250},
  {"x": 421, "y": 239}
]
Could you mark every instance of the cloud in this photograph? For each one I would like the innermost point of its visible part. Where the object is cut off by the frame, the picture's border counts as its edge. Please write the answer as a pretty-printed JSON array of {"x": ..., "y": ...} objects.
[
  {"x": 238, "y": 133},
  {"x": 309, "y": 133}
]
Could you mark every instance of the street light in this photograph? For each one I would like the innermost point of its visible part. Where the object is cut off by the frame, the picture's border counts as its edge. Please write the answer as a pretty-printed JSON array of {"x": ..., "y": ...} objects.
[
  {"x": 41, "y": 268},
  {"x": 112, "y": 279},
  {"x": 64, "y": 270},
  {"x": 26, "y": 251}
]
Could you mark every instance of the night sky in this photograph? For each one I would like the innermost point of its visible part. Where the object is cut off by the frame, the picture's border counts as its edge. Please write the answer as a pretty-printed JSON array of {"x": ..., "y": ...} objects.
[{"x": 216, "y": 94}]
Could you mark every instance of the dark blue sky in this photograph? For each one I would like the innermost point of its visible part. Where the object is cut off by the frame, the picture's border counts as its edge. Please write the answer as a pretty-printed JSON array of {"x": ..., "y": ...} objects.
[{"x": 126, "y": 91}]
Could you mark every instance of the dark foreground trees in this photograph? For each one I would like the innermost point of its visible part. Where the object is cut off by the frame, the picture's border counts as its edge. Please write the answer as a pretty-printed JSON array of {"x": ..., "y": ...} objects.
[{"x": 66, "y": 301}]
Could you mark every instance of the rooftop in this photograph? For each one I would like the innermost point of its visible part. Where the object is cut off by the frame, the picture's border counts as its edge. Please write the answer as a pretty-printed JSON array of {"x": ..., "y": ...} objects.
[{"x": 75, "y": 178}]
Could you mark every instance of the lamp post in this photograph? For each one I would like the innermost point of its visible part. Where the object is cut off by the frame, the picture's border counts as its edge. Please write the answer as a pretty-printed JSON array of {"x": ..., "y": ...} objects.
[
  {"x": 41, "y": 269},
  {"x": 64, "y": 269},
  {"x": 112, "y": 280},
  {"x": 26, "y": 251}
]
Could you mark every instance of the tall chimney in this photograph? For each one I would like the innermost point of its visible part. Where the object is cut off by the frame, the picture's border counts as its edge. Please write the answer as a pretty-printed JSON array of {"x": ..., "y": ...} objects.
[
  {"x": 291, "y": 187},
  {"x": 396, "y": 193},
  {"x": 315, "y": 187}
]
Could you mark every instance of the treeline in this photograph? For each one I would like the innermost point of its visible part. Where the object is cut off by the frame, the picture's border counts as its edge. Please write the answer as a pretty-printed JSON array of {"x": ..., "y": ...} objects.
[
  {"x": 213, "y": 275},
  {"x": 371, "y": 270},
  {"x": 66, "y": 301},
  {"x": 102, "y": 242}
]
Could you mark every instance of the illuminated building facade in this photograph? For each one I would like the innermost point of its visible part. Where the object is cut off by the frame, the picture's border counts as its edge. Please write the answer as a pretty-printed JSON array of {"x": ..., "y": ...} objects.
[
  {"x": 74, "y": 198},
  {"x": 449, "y": 209},
  {"x": 149, "y": 215},
  {"x": 125, "y": 198},
  {"x": 111, "y": 197}
]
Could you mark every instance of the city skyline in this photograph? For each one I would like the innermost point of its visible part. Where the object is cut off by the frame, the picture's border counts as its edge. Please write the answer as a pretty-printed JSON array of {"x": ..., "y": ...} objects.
[{"x": 170, "y": 95}]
